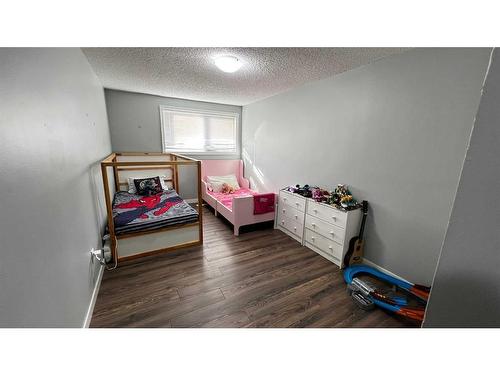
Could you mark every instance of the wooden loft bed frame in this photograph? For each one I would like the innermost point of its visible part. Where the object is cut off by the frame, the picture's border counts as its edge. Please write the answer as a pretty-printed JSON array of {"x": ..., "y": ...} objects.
[{"x": 134, "y": 245}]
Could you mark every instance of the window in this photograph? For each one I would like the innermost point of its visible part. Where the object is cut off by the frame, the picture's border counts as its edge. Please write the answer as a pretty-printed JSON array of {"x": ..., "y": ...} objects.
[{"x": 199, "y": 131}]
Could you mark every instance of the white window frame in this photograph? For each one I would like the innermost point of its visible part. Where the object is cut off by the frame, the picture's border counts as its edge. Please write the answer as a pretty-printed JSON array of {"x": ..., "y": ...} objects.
[{"x": 197, "y": 111}]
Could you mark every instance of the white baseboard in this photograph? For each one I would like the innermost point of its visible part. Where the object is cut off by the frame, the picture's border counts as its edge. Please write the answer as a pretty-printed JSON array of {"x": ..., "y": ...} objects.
[
  {"x": 382, "y": 269},
  {"x": 88, "y": 316}
]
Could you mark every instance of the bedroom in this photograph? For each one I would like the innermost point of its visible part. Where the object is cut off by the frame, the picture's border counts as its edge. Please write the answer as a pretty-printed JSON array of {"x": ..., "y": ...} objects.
[{"x": 159, "y": 187}]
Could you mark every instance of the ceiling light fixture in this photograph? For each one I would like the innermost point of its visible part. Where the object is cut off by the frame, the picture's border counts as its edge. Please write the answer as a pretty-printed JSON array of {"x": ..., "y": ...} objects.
[{"x": 228, "y": 64}]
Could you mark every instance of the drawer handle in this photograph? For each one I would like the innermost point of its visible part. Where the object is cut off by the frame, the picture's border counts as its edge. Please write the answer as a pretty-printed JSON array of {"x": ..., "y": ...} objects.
[
  {"x": 330, "y": 247},
  {"x": 332, "y": 233},
  {"x": 284, "y": 199},
  {"x": 295, "y": 228},
  {"x": 334, "y": 218},
  {"x": 283, "y": 210},
  {"x": 312, "y": 224},
  {"x": 315, "y": 211},
  {"x": 312, "y": 238},
  {"x": 282, "y": 221},
  {"x": 296, "y": 217},
  {"x": 297, "y": 203}
]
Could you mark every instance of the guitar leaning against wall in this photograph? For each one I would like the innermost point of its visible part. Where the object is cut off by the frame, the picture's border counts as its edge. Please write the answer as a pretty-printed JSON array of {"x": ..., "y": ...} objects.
[{"x": 354, "y": 253}]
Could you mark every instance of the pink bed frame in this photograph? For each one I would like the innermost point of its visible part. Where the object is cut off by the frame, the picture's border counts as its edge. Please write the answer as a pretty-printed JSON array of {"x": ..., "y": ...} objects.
[{"x": 241, "y": 212}]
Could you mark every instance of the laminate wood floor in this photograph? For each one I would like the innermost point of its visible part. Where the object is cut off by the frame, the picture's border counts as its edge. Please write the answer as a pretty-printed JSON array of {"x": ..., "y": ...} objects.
[{"x": 262, "y": 278}]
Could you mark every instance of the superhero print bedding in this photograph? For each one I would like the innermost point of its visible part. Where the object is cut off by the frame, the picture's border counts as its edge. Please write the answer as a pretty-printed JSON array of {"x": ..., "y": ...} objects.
[{"x": 132, "y": 212}]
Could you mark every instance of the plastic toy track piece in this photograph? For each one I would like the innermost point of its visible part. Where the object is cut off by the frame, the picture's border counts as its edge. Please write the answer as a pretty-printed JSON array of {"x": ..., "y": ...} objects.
[
  {"x": 387, "y": 302},
  {"x": 362, "y": 302}
]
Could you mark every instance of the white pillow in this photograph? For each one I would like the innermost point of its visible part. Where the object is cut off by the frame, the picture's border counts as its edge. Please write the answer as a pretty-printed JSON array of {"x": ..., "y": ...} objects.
[
  {"x": 216, "y": 187},
  {"x": 131, "y": 186},
  {"x": 215, "y": 182}
]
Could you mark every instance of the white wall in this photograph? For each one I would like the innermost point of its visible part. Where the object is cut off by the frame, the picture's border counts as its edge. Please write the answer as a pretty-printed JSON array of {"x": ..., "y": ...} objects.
[
  {"x": 53, "y": 128},
  {"x": 395, "y": 131},
  {"x": 134, "y": 122},
  {"x": 466, "y": 288}
]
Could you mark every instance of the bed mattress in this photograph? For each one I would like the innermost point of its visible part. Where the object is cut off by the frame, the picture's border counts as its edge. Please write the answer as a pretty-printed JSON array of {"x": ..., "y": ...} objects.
[{"x": 133, "y": 213}]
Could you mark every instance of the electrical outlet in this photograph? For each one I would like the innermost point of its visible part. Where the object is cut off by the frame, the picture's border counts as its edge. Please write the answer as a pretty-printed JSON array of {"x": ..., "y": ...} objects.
[{"x": 97, "y": 255}]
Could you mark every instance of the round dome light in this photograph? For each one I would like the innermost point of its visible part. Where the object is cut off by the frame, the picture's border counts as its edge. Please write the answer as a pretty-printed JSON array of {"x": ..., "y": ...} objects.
[{"x": 228, "y": 64}]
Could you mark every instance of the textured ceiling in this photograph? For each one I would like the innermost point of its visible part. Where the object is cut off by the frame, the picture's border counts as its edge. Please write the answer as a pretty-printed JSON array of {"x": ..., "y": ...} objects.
[{"x": 191, "y": 74}]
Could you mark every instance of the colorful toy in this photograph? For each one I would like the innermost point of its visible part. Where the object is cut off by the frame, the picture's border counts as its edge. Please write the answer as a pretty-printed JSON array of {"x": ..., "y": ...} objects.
[
  {"x": 365, "y": 295},
  {"x": 305, "y": 191},
  {"x": 342, "y": 197},
  {"x": 320, "y": 195},
  {"x": 227, "y": 189}
]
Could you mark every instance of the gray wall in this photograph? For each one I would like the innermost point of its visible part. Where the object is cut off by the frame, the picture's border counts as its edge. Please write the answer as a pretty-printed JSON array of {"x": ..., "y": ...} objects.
[
  {"x": 53, "y": 128},
  {"x": 134, "y": 122},
  {"x": 466, "y": 288},
  {"x": 395, "y": 131}
]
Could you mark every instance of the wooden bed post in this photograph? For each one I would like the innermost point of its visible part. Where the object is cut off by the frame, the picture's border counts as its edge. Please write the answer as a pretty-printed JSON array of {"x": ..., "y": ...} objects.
[
  {"x": 200, "y": 201},
  {"x": 109, "y": 210},
  {"x": 115, "y": 174},
  {"x": 175, "y": 173}
]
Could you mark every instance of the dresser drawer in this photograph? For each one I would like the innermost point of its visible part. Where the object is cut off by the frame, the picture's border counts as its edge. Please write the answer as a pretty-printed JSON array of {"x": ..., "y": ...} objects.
[
  {"x": 327, "y": 213},
  {"x": 291, "y": 224},
  {"x": 330, "y": 231},
  {"x": 291, "y": 213},
  {"x": 293, "y": 200},
  {"x": 324, "y": 244}
]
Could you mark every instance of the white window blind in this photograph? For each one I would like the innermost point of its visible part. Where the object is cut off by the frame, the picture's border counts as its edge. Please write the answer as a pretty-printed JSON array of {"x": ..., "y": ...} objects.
[{"x": 186, "y": 130}]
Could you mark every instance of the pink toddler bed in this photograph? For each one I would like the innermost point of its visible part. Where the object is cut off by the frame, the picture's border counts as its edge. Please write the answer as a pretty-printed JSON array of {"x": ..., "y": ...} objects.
[{"x": 244, "y": 206}]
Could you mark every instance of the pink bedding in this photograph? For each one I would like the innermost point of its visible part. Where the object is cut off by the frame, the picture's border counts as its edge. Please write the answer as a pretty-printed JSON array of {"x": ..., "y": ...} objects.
[{"x": 227, "y": 199}]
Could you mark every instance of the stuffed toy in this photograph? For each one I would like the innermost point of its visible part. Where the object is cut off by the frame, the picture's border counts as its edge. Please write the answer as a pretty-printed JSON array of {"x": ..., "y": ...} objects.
[
  {"x": 227, "y": 189},
  {"x": 320, "y": 195},
  {"x": 305, "y": 191},
  {"x": 342, "y": 197}
]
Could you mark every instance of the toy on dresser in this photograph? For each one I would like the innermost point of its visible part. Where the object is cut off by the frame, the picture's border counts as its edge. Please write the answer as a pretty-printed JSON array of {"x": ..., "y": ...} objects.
[
  {"x": 341, "y": 197},
  {"x": 305, "y": 191},
  {"x": 320, "y": 195}
]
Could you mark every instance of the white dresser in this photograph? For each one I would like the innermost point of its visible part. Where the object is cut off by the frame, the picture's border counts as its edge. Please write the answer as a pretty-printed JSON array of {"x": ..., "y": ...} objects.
[
  {"x": 321, "y": 227},
  {"x": 291, "y": 214}
]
